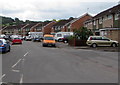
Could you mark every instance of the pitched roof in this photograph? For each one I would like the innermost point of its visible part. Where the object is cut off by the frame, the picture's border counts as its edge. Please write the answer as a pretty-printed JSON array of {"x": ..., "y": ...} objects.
[
  {"x": 61, "y": 23},
  {"x": 40, "y": 24},
  {"x": 75, "y": 19},
  {"x": 109, "y": 11},
  {"x": 9, "y": 27},
  {"x": 20, "y": 26},
  {"x": 30, "y": 25},
  {"x": 86, "y": 14},
  {"x": 13, "y": 26}
]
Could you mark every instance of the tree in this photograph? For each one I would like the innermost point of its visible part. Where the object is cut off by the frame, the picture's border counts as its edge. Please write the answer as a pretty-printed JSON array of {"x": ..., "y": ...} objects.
[
  {"x": 54, "y": 20},
  {"x": 71, "y": 18},
  {"x": 6, "y": 20},
  {"x": 82, "y": 33},
  {"x": 17, "y": 20}
]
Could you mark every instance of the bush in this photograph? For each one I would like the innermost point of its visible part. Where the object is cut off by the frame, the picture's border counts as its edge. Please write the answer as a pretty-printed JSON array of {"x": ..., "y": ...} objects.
[
  {"x": 82, "y": 33},
  {"x": 80, "y": 37},
  {"x": 71, "y": 37}
]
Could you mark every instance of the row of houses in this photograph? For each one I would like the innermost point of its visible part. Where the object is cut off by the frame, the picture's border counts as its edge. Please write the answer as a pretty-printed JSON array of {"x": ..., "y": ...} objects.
[
  {"x": 105, "y": 23},
  {"x": 47, "y": 27}
]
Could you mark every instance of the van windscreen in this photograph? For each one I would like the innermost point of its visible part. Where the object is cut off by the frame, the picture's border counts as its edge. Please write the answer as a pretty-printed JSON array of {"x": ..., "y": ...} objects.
[{"x": 49, "y": 38}]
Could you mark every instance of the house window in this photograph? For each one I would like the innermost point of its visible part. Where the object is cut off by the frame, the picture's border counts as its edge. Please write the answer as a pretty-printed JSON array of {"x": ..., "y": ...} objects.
[
  {"x": 109, "y": 16},
  {"x": 94, "y": 23},
  {"x": 116, "y": 16},
  {"x": 103, "y": 33},
  {"x": 90, "y": 22},
  {"x": 105, "y": 18},
  {"x": 38, "y": 29},
  {"x": 86, "y": 25},
  {"x": 59, "y": 27},
  {"x": 100, "y": 21},
  {"x": 18, "y": 29}
]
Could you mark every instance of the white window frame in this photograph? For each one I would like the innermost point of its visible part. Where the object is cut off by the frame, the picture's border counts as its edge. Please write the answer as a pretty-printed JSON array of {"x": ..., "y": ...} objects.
[
  {"x": 100, "y": 21},
  {"x": 94, "y": 22},
  {"x": 116, "y": 16}
]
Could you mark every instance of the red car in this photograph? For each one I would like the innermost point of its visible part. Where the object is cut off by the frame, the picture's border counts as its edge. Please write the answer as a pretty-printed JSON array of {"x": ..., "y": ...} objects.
[{"x": 16, "y": 40}]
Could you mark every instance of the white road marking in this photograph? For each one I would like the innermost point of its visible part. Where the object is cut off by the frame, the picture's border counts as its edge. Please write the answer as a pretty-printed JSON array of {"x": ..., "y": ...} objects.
[
  {"x": 15, "y": 70},
  {"x": 26, "y": 54},
  {"x": 19, "y": 60},
  {"x": 21, "y": 79},
  {"x": 16, "y": 63},
  {"x": 2, "y": 76}
]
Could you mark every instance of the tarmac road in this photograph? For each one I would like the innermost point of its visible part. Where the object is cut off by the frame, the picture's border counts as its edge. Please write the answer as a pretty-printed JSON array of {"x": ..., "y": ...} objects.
[{"x": 32, "y": 63}]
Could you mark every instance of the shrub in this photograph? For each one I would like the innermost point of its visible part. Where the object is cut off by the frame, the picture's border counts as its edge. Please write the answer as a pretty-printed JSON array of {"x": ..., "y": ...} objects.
[{"x": 82, "y": 33}]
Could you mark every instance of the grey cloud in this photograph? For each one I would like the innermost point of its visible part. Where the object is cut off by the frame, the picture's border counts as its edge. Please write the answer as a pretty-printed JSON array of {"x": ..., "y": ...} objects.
[
  {"x": 6, "y": 11},
  {"x": 60, "y": 12}
]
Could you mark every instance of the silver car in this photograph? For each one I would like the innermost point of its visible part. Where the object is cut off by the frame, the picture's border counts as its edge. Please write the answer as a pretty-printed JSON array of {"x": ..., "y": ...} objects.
[{"x": 95, "y": 41}]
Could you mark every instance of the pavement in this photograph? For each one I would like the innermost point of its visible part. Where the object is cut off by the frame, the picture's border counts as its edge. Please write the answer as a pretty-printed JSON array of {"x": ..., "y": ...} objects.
[
  {"x": 103, "y": 48},
  {"x": 32, "y": 63}
]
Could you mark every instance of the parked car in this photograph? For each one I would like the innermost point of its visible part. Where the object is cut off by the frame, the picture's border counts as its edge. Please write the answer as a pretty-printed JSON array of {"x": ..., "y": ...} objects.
[
  {"x": 28, "y": 38},
  {"x": 23, "y": 37},
  {"x": 49, "y": 41},
  {"x": 65, "y": 38},
  {"x": 4, "y": 45},
  {"x": 95, "y": 41},
  {"x": 36, "y": 38},
  {"x": 16, "y": 41}
]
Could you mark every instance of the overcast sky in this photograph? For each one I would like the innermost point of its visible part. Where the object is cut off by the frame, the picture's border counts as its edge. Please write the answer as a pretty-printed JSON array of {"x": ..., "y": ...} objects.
[{"x": 41, "y": 10}]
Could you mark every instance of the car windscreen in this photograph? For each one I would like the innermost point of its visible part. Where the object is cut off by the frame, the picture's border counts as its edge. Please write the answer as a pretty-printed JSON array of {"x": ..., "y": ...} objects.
[{"x": 48, "y": 38}]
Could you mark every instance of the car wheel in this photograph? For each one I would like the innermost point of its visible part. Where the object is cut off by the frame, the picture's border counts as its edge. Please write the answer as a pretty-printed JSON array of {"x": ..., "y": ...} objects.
[
  {"x": 54, "y": 45},
  {"x": 9, "y": 49},
  {"x": 65, "y": 41},
  {"x": 43, "y": 45},
  {"x": 94, "y": 45},
  {"x": 58, "y": 40},
  {"x": 114, "y": 45}
]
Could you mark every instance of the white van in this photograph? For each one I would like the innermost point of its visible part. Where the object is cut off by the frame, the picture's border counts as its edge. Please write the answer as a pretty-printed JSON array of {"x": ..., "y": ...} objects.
[
  {"x": 34, "y": 34},
  {"x": 59, "y": 36}
]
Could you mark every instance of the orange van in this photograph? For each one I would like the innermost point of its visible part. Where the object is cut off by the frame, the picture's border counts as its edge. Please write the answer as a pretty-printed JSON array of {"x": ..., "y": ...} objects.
[{"x": 49, "y": 40}]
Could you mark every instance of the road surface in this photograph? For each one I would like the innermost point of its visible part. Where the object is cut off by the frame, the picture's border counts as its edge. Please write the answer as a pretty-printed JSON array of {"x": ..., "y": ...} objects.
[{"x": 32, "y": 63}]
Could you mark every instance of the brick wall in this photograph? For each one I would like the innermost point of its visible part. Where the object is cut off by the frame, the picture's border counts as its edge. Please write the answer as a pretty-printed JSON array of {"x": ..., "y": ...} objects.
[
  {"x": 114, "y": 35},
  {"x": 108, "y": 23},
  {"x": 48, "y": 28},
  {"x": 64, "y": 29},
  {"x": 79, "y": 22}
]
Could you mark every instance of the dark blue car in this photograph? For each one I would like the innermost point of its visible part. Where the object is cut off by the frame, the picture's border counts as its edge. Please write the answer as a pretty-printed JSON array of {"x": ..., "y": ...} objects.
[
  {"x": 4, "y": 45},
  {"x": 36, "y": 39}
]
